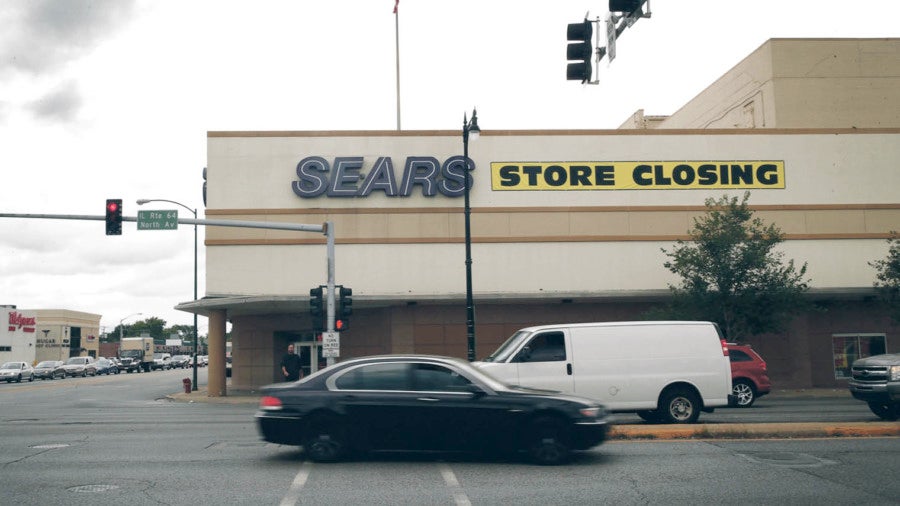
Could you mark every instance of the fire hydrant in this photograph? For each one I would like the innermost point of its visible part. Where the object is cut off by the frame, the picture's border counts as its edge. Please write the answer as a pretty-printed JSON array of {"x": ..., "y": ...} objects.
[{"x": 187, "y": 385}]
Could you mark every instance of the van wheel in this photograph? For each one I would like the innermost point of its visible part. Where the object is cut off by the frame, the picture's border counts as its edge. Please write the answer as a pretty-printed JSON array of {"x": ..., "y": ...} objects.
[
  {"x": 326, "y": 441},
  {"x": 744, "y": 393},
  {"x": 547, "y": 443},
  {"x": 679, "y": 405},
  {"x": 885, "y": 410},
  {"x": 649, "y": 416}
]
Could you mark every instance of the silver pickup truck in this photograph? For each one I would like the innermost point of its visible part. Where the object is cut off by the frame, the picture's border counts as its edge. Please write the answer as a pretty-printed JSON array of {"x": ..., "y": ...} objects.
[{"x": 876, "y": 380}]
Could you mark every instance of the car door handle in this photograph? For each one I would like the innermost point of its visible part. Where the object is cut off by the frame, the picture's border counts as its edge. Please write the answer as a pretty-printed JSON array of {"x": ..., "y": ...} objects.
[
  {"x": 569, "y": 369},
  {"x": 428, "y": 399}
]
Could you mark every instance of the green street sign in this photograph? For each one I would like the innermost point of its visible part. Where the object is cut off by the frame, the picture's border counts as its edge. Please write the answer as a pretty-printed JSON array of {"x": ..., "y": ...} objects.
[{"x": 157, "y": 220}]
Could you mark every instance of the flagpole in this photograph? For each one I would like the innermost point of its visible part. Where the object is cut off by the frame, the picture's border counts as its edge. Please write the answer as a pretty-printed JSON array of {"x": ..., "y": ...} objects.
[{"x": 397, "y": 50}]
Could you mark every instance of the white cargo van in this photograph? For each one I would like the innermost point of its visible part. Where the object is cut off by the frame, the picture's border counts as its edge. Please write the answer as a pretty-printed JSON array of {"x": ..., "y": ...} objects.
[{"x": 664, "y": 371}]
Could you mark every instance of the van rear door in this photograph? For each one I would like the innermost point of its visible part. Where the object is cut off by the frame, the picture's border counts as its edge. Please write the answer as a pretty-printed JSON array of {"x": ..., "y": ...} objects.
[{"x": 545, "y": 361}]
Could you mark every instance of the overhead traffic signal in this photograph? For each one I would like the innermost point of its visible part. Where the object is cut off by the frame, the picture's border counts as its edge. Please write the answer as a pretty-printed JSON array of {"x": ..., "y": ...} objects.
[
  {"x": 581, "y": 50},
  {"x": 113, "y": 216},
  {"x": 626, "y": 6}
]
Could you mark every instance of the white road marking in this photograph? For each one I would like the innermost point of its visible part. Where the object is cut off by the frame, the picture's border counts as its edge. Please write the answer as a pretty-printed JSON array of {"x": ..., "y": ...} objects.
[
  {"x": 459, "y": 496},
  {"x": 293, "y": 494}
]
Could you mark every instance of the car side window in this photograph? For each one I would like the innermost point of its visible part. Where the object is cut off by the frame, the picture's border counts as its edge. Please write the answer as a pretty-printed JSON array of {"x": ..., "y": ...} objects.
[
  {"x": 391, "y": 376},
  {"x": 437, "y": 378},
  {"x": 544, "y": 347},
  {"x": 739, "y": 356}
]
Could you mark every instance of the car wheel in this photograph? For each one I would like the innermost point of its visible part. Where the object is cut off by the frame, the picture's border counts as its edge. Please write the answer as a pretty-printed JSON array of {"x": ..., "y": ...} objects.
[
  {"x": 326, "y": 441},
  {"x": 83, "y": 374},
  {"x": 886, "y": 411},
  {"x": 19, "y": 379},
  {"x": 744, "y": 393},
  {"x": 649, "y": 416},
  {"x": 679, "y": 405},
  {"x": 547, "y": 442},
  {"x": 31, "y": 378}
]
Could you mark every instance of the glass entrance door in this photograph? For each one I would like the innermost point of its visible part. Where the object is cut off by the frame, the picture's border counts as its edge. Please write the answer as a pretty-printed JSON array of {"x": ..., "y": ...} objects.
[{"x": 310, "y": 356}]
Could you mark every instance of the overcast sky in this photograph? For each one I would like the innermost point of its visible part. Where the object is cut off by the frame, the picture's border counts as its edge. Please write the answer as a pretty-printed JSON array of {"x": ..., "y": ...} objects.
[{"x": 113, "y": 98}]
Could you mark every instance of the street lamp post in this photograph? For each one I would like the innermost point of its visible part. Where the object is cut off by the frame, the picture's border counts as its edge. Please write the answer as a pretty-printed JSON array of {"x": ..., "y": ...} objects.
[
  {"x": 470, "y": 128},
  {"x": 141, "y": 202},
  {"x": 120, "y": 325}
]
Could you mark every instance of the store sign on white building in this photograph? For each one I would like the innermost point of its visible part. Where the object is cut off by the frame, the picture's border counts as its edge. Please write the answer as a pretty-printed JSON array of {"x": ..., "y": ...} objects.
[{"x": 17, "y": 337}]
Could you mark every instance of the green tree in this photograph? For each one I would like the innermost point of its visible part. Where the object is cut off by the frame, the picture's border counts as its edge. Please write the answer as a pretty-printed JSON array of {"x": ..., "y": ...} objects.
[
  {"x": 887, "y": 279},
  {"x": 731, "y": 274}
]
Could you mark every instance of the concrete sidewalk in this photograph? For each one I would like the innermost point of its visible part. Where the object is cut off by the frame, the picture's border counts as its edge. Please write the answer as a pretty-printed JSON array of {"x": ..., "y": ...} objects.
[{"x": 673, "y": 432}]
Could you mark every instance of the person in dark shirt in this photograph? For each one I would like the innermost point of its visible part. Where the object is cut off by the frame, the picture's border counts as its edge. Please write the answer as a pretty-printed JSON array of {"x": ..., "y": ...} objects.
[{"x": 290, "y": 365}]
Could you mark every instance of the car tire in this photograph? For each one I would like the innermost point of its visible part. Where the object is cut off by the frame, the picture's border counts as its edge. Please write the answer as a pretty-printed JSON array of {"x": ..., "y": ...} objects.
[
  {"x": 744, "y": 393},
  {"x": 886, "y": 411},
  {"x": 31, "y": 378},
  {"x": 547, "y": 442},
  {"x": 326, "y": 440},
  {"x": 19, "y": 379},
  {"x": 84, "y": 374},
  {"x": 679, "y": 405}
]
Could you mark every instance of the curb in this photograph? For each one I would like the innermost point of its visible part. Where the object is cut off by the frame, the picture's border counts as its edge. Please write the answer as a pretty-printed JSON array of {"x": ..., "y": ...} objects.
[{"x": 756, "y": 430}]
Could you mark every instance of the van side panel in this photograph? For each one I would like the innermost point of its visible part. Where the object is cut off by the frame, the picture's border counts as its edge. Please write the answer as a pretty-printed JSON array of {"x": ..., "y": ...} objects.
[{"x": 628, "y": 366}]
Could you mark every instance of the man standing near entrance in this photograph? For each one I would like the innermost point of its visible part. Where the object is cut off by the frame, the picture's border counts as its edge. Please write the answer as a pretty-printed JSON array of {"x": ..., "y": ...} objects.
[{"x": 290, "y": 365}]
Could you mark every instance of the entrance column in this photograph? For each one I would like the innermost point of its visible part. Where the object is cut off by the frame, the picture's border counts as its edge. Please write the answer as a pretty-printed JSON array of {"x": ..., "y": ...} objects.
[{"x": 216, "y": 343}]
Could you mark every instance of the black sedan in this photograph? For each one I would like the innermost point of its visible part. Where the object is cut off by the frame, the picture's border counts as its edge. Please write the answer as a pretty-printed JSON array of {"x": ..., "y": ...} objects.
[{"x": 424, "y": 403}]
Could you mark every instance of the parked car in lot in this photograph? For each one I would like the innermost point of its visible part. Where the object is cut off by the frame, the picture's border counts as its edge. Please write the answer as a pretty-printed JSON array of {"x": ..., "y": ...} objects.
[
  {"x": 749, "y": 379},
  {"x": 425, "y": 403},
  {"x": 49, "y": 369},
  {"x": 180, "y": 361},
  {"x": 16, "y": 371},
  {"x": 80, "y": 366},
  {"x": 106, "y": 366}
]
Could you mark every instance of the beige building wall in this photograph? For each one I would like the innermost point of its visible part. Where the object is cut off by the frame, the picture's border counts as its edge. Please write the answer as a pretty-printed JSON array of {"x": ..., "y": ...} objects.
[
  {"x": 57, "y": 342},
  {"x": 839, "y": 198},
  {"x": 799, "y": 83}
]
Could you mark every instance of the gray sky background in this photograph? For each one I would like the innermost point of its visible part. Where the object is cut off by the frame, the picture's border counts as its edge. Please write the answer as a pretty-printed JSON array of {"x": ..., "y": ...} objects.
[{"x": 113, "y": 98}]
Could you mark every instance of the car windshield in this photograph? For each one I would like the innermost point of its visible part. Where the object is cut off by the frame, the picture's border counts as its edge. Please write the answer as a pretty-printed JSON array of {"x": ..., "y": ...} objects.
[
  {"x": 47, "y": 363},
  {"x": 508, "y": 348},
  {"x": 11, "y": 365},
  {"x": 75, "y": 361}
]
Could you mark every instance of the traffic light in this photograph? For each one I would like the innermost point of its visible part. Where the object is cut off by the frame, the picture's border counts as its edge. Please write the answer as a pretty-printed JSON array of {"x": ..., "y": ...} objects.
[
  {"x": 113, "y": 216},
  {"x": 317, "y": 308},
  {"x": 580, "y": 50},
  {"x": 626, "y": 6},
  {"x": 341, "y": 325},
  {"x": 346, "y": 302}
]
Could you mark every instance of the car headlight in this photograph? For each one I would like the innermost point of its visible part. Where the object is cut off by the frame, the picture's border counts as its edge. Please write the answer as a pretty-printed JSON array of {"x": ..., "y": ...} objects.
[{"x": 895, "y": 373}]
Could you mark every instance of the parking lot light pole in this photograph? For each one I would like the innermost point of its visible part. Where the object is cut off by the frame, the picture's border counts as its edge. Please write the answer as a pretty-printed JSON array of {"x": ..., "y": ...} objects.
[
  {"x": 141, "y": 202},
  {"x": 470, "y": 128}
]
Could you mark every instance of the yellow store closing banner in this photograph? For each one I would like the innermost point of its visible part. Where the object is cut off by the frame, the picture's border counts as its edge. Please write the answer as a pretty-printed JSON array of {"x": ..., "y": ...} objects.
[{"x": 639, "y": 175}]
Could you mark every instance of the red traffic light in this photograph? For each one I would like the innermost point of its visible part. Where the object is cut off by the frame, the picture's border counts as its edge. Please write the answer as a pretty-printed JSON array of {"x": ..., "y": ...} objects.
[
  {"x": 112, "y": 206},
  {"x": 340, "y": 325}
]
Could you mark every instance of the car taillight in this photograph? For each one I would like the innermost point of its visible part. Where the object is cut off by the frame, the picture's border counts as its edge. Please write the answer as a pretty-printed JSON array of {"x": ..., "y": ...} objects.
[
  {"x": 269, "y": 402},
  {"x": 724, "y": 348}
]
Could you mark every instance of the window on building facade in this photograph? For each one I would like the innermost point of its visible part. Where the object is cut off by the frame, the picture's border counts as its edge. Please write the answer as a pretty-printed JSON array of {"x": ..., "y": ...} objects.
[{"x": 848, "y": 347}]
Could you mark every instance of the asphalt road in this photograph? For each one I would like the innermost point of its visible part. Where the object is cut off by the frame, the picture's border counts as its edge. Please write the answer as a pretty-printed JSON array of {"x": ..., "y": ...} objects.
[{"x": 124, "y": 440}]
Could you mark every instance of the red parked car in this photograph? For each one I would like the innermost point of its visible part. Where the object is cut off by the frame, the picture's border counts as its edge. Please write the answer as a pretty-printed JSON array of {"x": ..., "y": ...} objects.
[{"x": 748, "y": 375}]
